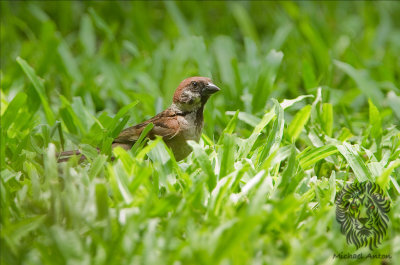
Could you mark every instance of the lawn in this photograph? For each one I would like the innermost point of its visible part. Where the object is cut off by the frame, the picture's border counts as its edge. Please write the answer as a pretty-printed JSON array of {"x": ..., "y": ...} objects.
[{"x": 309, "y": 102}]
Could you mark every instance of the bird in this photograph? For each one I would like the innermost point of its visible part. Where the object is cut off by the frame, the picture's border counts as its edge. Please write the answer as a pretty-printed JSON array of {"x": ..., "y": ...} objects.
[{"x": 180, "y": 122}]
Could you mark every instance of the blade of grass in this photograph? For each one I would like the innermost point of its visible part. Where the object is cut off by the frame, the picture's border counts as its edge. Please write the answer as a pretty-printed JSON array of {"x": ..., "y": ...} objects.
[
  {"x": 355, "y": 161},
  {"x": 39, "y": 87},
  {"x": 275, "y": 136},
  {"x": 205, "y": 164},
  {"x": 309, "y": 157},
  {"x": 327, "y": 118},
  {"x": 298, "y": 123}
]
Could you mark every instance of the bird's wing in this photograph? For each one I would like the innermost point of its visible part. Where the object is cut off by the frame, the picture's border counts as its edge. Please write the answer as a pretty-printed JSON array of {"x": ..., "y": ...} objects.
[{"x": 165, "y": 125}]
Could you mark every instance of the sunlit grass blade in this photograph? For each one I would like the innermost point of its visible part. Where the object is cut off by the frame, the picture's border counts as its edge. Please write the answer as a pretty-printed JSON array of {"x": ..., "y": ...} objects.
[
  {"x": 12, "y": 109},
  {"x": 205, "y": 164},
  {"x": 227, "y": 157},
  {"x": 356, "y": 162},
  {"x": 275, "y": 136},
  {"x": 247, "y": 145},
  {"x": 383, "y": 179},
  {"x": 141, "y": 140},
  {"x": 298, "y": 123},
  {"x": 309, "y": 157},
  {"x": 375, "y": 121},
  {"x": 286, "y": 103},
  {"x": 246, "y": 117},
  {"x": 327, "y": 118}
]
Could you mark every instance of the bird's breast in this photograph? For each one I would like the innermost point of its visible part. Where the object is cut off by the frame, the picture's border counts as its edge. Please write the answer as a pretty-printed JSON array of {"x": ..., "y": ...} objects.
[{"x": 191, "y": 126}]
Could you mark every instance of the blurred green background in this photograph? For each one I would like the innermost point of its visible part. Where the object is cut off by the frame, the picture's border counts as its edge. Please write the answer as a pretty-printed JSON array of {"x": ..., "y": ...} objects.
[{"x": 80, "y": 63}]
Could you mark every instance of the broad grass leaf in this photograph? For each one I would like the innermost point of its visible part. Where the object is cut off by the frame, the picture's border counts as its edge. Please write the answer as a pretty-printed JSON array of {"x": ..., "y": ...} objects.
[
  {"x": 39, "y": 87},
  {"x": 119, "y": 182},
  {"x": 246, "y": 117},
  {"x": 299, "y": 121},
  {"x": 375, "y": 121},
  {"x": 268, "y": 116},
  {"x": 247, "y": 145},
  {"x": 310, "y": 156},
  {"x": 383, "y": 179},
  {"x": 97, "y": 166},
  {"x": 21, "y": 228},
  {"x": 50, "y": 163},
  {"x": 205, "y": 164},
  {"x": 115, "y": 126},
  {"x": 286, "y": 103},
  {"x": 227, "y": 157},
  {"x": 142, "y": 138},
  {"x": 101, "y": 201},
  {"x": 275, "y": 136},
  {"x": 89, "y": 151},
  {"x": 159, "y": 155},
  {"x": 355, "y": 161},
  {"x": 12, "y": 109},
  {"x": 290, "y": 177},
  {"x": 261, "y": 195},
  {"x": 218, "y": 196},
  {"x": 250, "y": 185},
  {"x": 140, "y": 155},
  {"x": 82, "y": 114},
  {"x": 309, "y": 76},
  {"x": 327, "y": 118},
  {"x": 67, "y": 118},
  {"x": 125, "y": 158},
  {"x": 344, "y": 134},
  {"x": 230, "y": 128}
]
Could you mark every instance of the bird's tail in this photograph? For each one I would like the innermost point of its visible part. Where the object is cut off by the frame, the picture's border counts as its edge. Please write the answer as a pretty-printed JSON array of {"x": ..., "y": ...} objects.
[{"x": 66, "y": 155}]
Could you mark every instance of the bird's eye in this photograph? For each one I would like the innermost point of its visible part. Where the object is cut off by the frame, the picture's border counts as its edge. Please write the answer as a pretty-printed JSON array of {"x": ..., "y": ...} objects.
[{"x": 194, "y": 83}]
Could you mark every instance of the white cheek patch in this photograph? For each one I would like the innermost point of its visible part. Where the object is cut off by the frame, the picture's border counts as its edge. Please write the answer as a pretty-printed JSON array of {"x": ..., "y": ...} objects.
[{"x": 190, "y": 97}]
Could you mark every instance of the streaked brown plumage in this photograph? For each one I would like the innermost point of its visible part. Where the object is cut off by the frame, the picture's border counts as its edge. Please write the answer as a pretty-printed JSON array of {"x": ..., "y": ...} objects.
[{"x": 180, "y": 122}]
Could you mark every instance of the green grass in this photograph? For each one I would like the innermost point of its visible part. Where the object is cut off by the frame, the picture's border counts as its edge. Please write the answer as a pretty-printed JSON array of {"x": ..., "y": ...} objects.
[{"x": 310, "y": 101}]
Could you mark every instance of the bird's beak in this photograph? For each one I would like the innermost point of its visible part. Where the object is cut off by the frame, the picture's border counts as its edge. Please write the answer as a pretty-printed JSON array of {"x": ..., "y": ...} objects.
[{"x": 211, "y": 88}]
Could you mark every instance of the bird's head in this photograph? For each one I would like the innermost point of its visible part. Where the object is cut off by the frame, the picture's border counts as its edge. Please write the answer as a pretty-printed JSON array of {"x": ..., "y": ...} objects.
[{"x": 193, "y": 93}]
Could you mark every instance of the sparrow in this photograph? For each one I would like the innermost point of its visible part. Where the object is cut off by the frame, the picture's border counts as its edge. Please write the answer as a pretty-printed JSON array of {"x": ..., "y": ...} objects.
[{"x": 180, "y": 122}]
